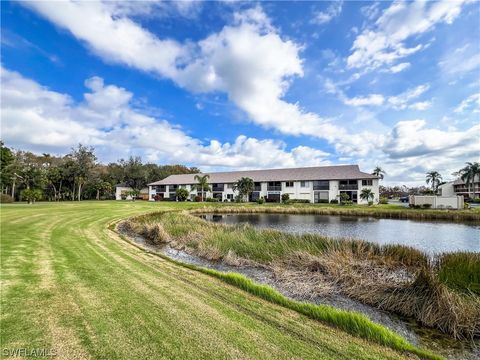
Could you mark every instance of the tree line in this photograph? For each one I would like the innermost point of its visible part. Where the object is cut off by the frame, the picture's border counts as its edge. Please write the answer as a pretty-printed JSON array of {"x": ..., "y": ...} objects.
[{"x": 75, "y": 176}]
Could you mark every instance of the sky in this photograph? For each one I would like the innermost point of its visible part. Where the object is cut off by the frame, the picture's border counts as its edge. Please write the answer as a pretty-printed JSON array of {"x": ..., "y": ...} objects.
[{"x": 245, "y": 85}]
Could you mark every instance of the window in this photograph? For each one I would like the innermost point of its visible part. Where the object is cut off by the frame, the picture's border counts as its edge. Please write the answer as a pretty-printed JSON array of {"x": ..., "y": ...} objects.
[
  {"x": 304, "y": 184},
  {"x": 367, "y": 182},
  {"x": 229, "y": 186},
  {"x": 288, "y": 183},
  {"x": 321, "y": 185}
]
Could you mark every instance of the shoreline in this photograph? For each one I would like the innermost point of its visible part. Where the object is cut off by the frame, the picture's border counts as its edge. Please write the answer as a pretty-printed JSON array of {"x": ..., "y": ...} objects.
[{"x": 455, "y": 349}]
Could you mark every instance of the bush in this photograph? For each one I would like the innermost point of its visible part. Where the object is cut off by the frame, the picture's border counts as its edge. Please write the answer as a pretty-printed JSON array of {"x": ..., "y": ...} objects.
[
  {"x": 383, "y": 200},
  {"x": 197, "y": 198},
  {"x": 347, "y": 202},
  {"x": 322, "y": 201},
  {"x": 261, "y": 201},
  {"x": 427, "y": 206},
  {"x": 334, "y": 201},
  {"x": 182, "y": 194},
  {"x": 211, "y": 200},
  {"x": 5, "y": 199},
  {"x": 370, "y": 203},
  {"x": 31, "y": 195},
  {"x": 476, "y": 200},
  {"x": 343, "y": 198},
  {"x": 285, "y": 198},
  {"x": 299, "y": 201}
]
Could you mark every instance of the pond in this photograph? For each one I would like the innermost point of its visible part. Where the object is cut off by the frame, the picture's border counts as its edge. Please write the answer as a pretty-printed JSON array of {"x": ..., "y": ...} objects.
[{"x": 428, "y": 236}]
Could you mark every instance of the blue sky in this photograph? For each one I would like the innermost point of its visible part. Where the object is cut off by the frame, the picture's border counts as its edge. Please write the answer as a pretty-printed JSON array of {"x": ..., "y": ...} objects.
[{"x": 233, "y": 85}]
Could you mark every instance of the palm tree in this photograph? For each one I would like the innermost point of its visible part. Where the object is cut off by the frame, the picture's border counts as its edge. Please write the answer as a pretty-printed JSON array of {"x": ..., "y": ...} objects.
[
  {"x": 367, "y": 195},
  {"x": 202, "y": 183},
  {"x": 244, "y": 186},
  {"x": 468, "y": 175},
  {"x": 434, "y": 177},
  {"x": 378, "y": 171}
]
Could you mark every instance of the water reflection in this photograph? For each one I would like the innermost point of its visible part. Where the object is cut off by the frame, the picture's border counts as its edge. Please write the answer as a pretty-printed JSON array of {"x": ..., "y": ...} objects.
[{"x": 428, "y": 236}]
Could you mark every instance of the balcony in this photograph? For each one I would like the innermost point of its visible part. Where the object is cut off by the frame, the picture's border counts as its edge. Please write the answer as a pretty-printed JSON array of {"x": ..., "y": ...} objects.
[
  {"x": 218, "y": 187},
  {"x": 160, "y": 188},
  {"x": 274, "y": 188},
  {"x": 348, "y": 186}
]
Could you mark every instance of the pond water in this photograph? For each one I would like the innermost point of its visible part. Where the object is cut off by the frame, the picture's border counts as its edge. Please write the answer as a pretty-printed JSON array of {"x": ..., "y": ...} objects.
[{"x": 429, "y": 236}]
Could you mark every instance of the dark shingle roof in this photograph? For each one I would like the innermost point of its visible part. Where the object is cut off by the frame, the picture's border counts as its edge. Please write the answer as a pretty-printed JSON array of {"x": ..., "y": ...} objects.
[{"x": 338, "y": 172}]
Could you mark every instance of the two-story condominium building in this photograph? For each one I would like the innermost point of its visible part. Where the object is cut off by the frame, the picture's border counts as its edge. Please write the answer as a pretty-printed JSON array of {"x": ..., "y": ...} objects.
[
  {"x": 458, "y": 187},
  {"x": 317, "y": 184}
]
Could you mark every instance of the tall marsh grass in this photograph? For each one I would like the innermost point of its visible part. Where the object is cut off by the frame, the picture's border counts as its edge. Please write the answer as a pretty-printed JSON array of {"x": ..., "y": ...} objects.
[
  {"x": 348, "y": 321},
  {"x": 440, "y": 292},
  {"x": 460, "y": 271}
]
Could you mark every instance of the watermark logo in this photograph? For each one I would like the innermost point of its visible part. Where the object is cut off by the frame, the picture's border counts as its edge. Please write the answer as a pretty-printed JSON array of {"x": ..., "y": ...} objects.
[{"x": 24, "y": 352}]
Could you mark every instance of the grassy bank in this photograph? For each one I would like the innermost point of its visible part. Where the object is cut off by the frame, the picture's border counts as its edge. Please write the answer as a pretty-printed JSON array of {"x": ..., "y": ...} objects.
[
  {"x": 440, "y": 293},
  {"x": 70, "y": 285},
  {"x": 391, "y": 211}
]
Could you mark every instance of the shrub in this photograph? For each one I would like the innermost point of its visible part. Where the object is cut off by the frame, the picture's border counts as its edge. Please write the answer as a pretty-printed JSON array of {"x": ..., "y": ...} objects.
[
  {"x": 343, "y": 198},
  {"x": 334, "y": 201},
  {"x": 299, "y": 201},
  {"x": 239, "y": 198},
  {"x": 383, "y": 200},
  {"x": 261, "y": 201},
  {"x": 211, "y": 200},
  {"x": 476, "y": 200},
  {"x": 31, "y": 195},
  {"x": 347, "y": 202},
  {"x": 182, "y": 194},
  {"x": 427, "y": 206},
  {"x": 4, "y": 199},
  {"x": 197, "y": 198},
  {"x": 285, "y": 198},
  {"x": 370, "y": 203},
  {"x": 323, "y": 201}
]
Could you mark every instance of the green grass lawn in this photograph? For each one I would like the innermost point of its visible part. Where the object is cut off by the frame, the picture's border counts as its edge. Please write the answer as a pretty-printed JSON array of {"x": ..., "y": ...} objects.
[{"x": 70, "y": 284}]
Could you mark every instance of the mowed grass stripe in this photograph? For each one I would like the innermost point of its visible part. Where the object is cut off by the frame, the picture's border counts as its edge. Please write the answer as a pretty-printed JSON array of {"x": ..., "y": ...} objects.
[{"x": 113, "y": 301}]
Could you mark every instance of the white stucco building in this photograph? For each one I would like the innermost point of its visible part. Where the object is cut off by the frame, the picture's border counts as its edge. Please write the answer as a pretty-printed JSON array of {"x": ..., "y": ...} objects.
[
  {"x": 458, "y": 187},
  {"x": 122, "y": 190},
  {"x": 316, "y": 184}
]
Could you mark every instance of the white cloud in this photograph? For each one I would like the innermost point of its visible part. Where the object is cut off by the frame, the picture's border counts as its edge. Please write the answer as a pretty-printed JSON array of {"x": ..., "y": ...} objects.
[
  {"x": 421, "y": 105},
  {"x": 371, "y": 11},
  {"x": 399, "y": 67},
  {"x": 332, "y": 11},
  {"x": 402, "y": 100},
  {"x": 471, "y": 103},
  {"x": 384, "y": 43},
  {"x": 412, "y": 138},
  {"x": 36, "y": 118},
  {"x": 461, "y": 61},
  {"x": 373, "y": 99},
  {"x": 248, "y": 60},
  {"x": 398, "y": 102}
]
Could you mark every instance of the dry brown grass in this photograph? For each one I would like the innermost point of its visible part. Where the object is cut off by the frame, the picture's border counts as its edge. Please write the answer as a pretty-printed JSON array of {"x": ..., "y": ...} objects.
[
  {"x": 394, "y": 278},
  {"x": 394, "y": 288}
]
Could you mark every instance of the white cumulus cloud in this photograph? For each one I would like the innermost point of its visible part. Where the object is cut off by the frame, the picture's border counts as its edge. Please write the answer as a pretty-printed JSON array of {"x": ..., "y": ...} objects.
[{"x": 385, "y": 42}]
